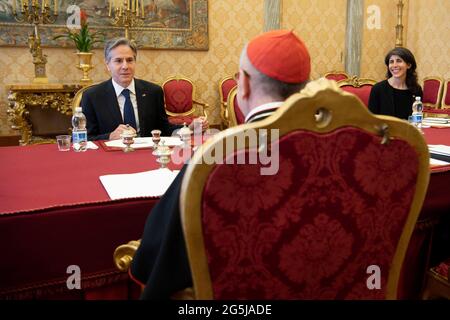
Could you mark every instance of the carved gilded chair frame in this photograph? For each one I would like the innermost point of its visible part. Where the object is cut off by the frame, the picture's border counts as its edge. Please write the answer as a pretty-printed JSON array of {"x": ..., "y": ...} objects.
[
  {"x": 443, "y": 105},
  {"x": 223, "y": 105},
  {"x": 299, "y": 112},
  {"x": 79, "y": 95},
  {"x": 356, "y": 82},
  {"x": 231, "y": 113}
]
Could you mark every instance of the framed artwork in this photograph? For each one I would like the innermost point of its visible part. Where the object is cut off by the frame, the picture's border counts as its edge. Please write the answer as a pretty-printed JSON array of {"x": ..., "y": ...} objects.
[{"x": 165, "y": 24}]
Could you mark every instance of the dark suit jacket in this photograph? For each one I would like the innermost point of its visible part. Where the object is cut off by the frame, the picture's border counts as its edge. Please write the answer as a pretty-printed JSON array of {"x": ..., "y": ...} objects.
[
  {"x": 381, "y": 101},
  {"x": 161, "y": 262},
  {"x": 101, "y": 108}
]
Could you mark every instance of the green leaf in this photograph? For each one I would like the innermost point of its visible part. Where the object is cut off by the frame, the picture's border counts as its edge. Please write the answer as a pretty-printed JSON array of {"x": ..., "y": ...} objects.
[{"x": 83, "y": 39}]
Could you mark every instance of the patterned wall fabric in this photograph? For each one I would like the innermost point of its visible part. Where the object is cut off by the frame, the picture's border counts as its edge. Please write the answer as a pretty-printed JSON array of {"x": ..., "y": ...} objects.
[
  {"x": 378, "y": 42},
  {"x": 321, "y": 23},
  {"x": 428, "y": 36}
]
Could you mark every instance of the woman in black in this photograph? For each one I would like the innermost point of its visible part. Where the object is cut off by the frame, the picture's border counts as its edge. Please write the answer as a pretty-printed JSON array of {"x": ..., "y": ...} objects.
[{"x": 395, "y": 95}]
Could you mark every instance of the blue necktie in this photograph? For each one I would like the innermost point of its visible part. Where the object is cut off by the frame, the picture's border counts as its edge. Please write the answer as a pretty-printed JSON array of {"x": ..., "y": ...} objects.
[{"x": 128, "y": 110}]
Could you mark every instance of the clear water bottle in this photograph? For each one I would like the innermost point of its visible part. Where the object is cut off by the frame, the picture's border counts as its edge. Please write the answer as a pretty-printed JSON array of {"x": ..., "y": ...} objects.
[
  {"x": 417, "y": 113},
  {"x": 79, "y": 132}
]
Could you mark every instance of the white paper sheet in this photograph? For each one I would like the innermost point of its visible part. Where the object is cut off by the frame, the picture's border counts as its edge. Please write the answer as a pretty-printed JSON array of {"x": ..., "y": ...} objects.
[
  {"x": 436, "y": 120},
  {"x": 439, "y": 149},
  {"x": 435, "y": 124},
  {"x": 91, "y": 145},
  {"x": 436, "y": 162},
  {"x": 145, "y": 142},
  {"x": 152, "y": 183}
]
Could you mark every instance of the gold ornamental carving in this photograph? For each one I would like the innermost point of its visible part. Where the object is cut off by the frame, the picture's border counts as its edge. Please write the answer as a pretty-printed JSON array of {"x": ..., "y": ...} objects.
[
  {"x": 123, "y": 255},
  {"x": 128, "y": 14},
  {"x": 23, "y": 97},
  {"x": 399, "y": 26},
  {"x": 36, "y": 12},
  {"x": 356, "y": 82}
]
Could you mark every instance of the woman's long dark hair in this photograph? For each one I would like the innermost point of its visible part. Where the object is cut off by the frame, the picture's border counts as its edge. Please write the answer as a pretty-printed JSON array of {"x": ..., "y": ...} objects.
[{"x": 411, "y": 75}]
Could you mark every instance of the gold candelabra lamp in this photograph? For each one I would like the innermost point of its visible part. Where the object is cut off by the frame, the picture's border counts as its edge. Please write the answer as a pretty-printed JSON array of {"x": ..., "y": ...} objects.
[
  {"x": 36, "y": 12},
  {"x": 127, "y": 14},
  {"x": 399, "y": 26}
]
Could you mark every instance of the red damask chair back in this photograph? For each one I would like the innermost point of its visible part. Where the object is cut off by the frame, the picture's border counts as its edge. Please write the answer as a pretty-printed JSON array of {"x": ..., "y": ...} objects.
[
  {"x": 225, "y": 86},
  {"x": 234, "y": 113},
  {"x": 179, "y": 93},
  {"x": 432, "y": 92},
  {"x": 360, "y": 87},
  {"x": 336, "y": 75},
  {"x": 321, "y": 218}
]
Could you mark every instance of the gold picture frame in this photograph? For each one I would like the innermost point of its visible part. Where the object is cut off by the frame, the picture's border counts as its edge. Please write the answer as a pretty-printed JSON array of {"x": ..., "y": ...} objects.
[{"x": 168, "y": 24}]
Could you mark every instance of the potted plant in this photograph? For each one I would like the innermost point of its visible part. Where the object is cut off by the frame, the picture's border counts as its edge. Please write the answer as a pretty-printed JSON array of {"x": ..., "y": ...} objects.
[{"x": 83, "y": 40}]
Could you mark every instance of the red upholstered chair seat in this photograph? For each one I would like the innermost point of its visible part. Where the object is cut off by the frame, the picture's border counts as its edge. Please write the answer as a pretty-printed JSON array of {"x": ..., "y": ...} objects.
[
  {"x": 443, "y": 269},
  {"x": 432, "y": 92},
  {"x": 362, "y": 92},
  {"x": 360, "y": 87},
  {"x": 284, "y": 237},
  {"x": 438, "y": 281},
  {"x": 181, "y": 119}
]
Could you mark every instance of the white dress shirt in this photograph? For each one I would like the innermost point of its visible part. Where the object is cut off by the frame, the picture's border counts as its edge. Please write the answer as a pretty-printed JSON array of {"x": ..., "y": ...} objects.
[
  {"x": 260, "y": 111},
  {"x": 121, "y": 99}
]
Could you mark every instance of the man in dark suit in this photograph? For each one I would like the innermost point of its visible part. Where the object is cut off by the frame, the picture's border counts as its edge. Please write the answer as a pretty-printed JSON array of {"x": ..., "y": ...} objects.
[
  {"x": 273, "y": 66},
  {"x": 121, "y": 100}
]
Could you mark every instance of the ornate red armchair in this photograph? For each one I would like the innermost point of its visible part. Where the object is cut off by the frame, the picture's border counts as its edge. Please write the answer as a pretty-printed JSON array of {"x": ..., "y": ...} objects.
[
  {"x": 225, "y": 86},
  {"x": 327, "y": 222},
  {"x": 336, "y": 75},
  {"x": 360, "y": 87},
  {"x": 234, "y": 114},
  {"x": 179, "y": 100},
  {"x": 432, "y": 92}
]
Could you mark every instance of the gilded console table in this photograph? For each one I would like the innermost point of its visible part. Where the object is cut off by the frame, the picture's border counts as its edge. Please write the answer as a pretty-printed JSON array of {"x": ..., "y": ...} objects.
[{"x": 40, "y": 111}]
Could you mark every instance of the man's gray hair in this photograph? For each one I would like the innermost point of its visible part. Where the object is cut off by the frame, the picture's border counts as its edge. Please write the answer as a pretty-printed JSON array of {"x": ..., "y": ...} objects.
[{"x": 113, "y": 43}]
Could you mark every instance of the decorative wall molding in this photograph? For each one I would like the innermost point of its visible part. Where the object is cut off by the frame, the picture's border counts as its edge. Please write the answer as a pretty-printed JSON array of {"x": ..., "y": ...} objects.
[
  {"x": 353, "y": 37},
  {"x": 272, "y": 14}
]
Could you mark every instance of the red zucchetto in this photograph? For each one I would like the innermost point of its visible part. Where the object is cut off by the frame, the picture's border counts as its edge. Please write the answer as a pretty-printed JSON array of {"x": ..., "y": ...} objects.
[{"x": 280, "y": 55}]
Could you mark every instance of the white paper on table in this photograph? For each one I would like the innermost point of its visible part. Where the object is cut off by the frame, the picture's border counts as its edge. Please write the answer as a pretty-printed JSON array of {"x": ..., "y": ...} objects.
[
  {"x": 145, "y": 142},
  {"x": 436, "y": 120},
  {"x": 439, "y": 149},
  {"x": 91, "y": 145},
  {"x": 435, "y": 124},
  {"x": 436, "y": 162},
  {"x": 152, "y": 183}
]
